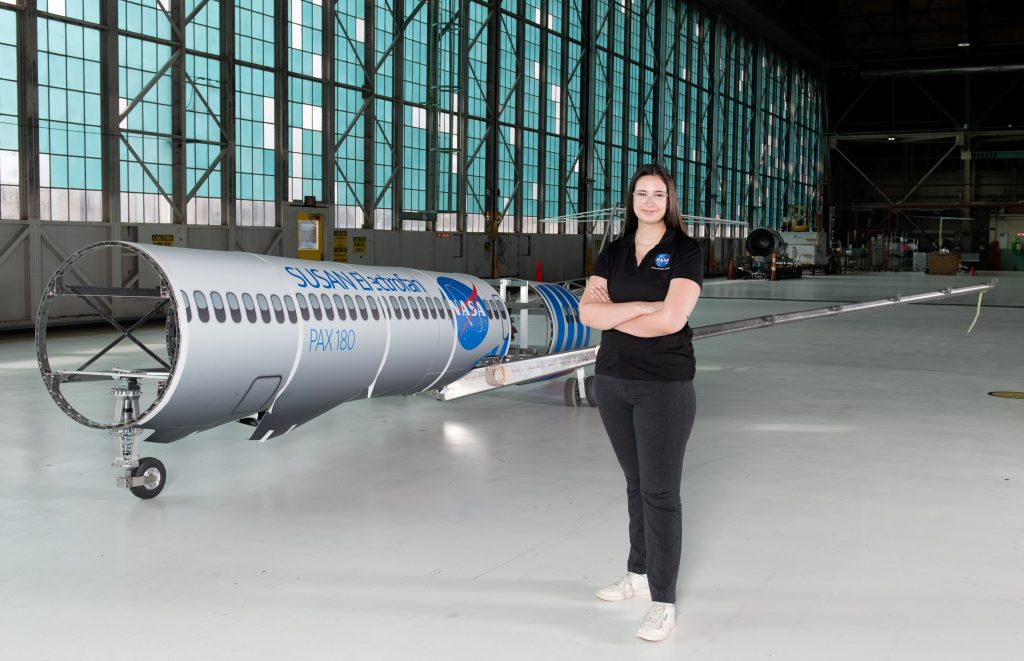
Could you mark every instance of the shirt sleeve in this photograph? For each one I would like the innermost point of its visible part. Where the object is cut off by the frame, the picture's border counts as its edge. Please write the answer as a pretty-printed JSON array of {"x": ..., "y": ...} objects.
[
  {"x": 688, "y": 262},
  {"x": 601, "y": 266}
]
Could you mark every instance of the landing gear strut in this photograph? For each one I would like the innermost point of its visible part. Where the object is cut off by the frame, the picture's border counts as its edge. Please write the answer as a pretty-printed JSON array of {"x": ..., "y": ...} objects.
[{"x": 144, "y": 477}]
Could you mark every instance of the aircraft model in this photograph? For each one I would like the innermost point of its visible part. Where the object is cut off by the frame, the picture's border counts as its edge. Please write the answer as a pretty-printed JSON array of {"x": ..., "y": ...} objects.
[{"x": 274, "y": 342}]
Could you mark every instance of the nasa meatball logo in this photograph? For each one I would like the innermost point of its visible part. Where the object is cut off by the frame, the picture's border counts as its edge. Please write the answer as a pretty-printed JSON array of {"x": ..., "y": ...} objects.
[
  {"x": 661, "y": 261},
  {"x": 470, "y": 318}
]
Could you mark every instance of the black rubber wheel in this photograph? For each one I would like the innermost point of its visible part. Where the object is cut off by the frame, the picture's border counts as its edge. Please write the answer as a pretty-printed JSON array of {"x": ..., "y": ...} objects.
[
  {"x": 571, "y": 392},
  {"x": 588, "y": 387},
  {"x": 153, "y": 467}
]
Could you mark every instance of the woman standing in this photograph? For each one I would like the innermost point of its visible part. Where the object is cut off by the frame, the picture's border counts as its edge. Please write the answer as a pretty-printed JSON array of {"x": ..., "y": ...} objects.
[{"x": 642, "y": 291}]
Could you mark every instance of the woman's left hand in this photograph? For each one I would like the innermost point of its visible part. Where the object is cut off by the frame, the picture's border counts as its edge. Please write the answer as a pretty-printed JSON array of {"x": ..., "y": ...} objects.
[{"x": 600, "y": 293}]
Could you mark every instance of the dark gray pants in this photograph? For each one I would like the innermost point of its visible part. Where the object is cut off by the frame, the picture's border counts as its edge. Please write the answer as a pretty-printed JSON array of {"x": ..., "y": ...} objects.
[{"x": 649, "y": 423}]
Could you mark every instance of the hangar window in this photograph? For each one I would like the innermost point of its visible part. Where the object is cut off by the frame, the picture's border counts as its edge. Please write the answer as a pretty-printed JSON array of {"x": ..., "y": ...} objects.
[
  {"x": 236, "y": 312},
  {"x": 405, "y": 307},
  {"x": 204, "y": 312},
  {"x": 351, "y": 306},
  {"x": 362, "y": 307},
  {"x": 250, "y": 308},
  {"x": 340, "y": 306},
  {"x": 328, "y": 308},
  {"x": 374, "y": 310},
  {"x": 433, "y": 310},
  {"x": 412, "y": 306},
  {"x": 289, "y": 304},
  {"x": 315, "y": 306},
  {"x": 275, "y": 301},
  {"x": 303, "y": 306},
  {"x": 440, "y": 307},
  {"x": 261, "y": 301},
  {"x": 218, "y": 307},
  {"x": 188, "y": 306}
]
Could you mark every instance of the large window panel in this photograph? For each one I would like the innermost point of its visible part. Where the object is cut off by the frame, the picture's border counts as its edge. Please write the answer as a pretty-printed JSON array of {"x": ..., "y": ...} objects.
[
  {"x": 70, "y": 144},
  {"x": 255, "y": 107},
  {"x": 10, "y": 201}
]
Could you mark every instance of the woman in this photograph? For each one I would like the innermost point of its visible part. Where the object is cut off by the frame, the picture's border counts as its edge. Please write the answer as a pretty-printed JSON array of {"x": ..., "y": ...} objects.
[{"x": 642, "y": 291}]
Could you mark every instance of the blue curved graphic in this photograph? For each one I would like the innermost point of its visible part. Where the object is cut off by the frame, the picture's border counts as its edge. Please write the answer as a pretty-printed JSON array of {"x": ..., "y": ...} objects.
[
  {"x": 470, "y": 318},
  {"x": 558, "y": 328}
]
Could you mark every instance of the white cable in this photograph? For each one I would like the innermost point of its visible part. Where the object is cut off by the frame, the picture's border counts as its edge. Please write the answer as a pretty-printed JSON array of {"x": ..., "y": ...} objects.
[{"x": 977, "y": 312}]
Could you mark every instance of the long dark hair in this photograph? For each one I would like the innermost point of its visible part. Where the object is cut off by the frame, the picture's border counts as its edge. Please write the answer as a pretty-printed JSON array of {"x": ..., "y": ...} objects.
[{"x": 673, "y": 217}]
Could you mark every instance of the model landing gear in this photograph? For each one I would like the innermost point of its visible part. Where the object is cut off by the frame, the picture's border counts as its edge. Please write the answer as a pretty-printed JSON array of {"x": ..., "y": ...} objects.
[
  {"x": 143, "y": 477},
  {"x": 579, "y": 388}
]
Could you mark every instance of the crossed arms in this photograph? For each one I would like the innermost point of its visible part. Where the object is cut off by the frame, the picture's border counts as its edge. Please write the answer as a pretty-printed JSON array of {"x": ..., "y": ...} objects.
[{"x": 639, "y": 318}]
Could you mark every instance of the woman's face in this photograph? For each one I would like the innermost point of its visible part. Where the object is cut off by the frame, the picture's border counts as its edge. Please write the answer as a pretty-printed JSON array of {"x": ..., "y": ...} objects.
[{"x": 650, "y": 199}]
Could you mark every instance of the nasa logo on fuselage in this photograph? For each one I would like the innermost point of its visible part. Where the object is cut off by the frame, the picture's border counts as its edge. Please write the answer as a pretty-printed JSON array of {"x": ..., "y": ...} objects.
[
  {"x": 661, "y": 260},
  {"x": 470, "y": 317}
]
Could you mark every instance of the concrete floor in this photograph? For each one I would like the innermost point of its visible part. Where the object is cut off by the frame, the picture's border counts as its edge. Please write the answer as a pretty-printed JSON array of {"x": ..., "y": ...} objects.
[{"x": 850, "y": 492}]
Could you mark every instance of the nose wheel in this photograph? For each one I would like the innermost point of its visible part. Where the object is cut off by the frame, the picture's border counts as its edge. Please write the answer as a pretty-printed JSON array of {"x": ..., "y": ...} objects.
[
  {"x": 579, "y": 389},
  {"x": 150, "y": 477}
]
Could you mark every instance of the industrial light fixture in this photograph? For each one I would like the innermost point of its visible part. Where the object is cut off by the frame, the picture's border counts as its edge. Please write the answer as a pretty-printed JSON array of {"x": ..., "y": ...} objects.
[
  {"x": 964, "y": 41},
  {"x": 891, "y": 139}
]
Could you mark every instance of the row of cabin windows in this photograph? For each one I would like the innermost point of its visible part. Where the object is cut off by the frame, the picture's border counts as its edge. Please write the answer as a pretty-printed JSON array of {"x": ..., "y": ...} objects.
[{"x": 323, "y": 306}]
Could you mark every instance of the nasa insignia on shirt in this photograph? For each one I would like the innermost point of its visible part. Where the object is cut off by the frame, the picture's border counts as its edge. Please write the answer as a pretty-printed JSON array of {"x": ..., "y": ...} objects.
[{"x": 661, "y": 261}]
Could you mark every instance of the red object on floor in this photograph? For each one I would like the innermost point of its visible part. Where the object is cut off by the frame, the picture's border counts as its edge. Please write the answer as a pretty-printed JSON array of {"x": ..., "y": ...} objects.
[
  {"x": 539, "y": 275},
  {"x": 732, "y": 270},
  {"x": 774, "y": 274}
]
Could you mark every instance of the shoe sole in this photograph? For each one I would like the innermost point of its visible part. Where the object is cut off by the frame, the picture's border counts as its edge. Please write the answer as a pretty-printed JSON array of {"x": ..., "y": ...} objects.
[
  {"x": 654, "y": 639},
  {"x": 636, "y": 593}
]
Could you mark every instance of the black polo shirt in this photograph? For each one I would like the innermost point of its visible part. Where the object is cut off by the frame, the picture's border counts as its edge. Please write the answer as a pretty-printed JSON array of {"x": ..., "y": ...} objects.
[{"x": 665, "y": 358}]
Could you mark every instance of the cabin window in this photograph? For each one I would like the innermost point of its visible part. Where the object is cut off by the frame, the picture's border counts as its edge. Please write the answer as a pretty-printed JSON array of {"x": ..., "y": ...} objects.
[
  {"x": 350, "y": 304},
  {"x": 394, "y": 307},
  {"x": 217, "y": 303},
  {"x": 314, "y": 305},
  {"x": 236, "y": 312},
  {"x": 405, "y": 307},
  {"x": 261, "y": 301},
  {"x": 204, "y": 312},
  {"x": 440, "y": 307},
  {"x": 412, "y": 306},
  {"x": 430, "y": 306},
  {"x": 250, "y": 308},
  {"x": 303, "y": 307},
  {"x": 289, "y": 304},
  {"x": 328, "y": 308},
  {"x": 373, "y": 307},
  {"x": 340, "y": 307},
  {"x": 362, "y": 307},
  {"x": 275, "y": 302},
  {"x": 423, "y": 307},
  {"x": 188, "y": 305}
]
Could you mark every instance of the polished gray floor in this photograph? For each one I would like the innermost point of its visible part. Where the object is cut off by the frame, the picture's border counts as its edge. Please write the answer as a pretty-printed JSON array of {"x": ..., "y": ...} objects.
[{"x": 851, "y": 491}]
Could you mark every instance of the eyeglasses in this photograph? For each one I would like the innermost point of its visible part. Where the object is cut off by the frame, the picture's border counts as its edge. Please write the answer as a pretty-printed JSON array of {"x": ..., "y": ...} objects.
[{"x": 641, "y": 197}]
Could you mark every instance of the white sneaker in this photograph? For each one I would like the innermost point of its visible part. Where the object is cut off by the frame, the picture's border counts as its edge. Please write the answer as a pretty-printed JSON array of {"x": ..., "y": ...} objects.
[
  {"x": 625, "y": 587},
  {"x": 658, "y": 622}
]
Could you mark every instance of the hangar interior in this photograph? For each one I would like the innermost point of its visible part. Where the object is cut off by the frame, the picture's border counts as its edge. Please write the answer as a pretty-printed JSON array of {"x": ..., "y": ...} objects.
[{"x": 851, "y": 487}]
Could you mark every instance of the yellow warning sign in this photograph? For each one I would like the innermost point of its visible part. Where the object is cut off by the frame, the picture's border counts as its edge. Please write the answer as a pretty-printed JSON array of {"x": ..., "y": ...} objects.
[
  {"x": 163, "y": 239},
  {"x": 359, "y": 244},
  {"x": 341, "y": 245},
  {"x": 1008, "y": 394}
]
